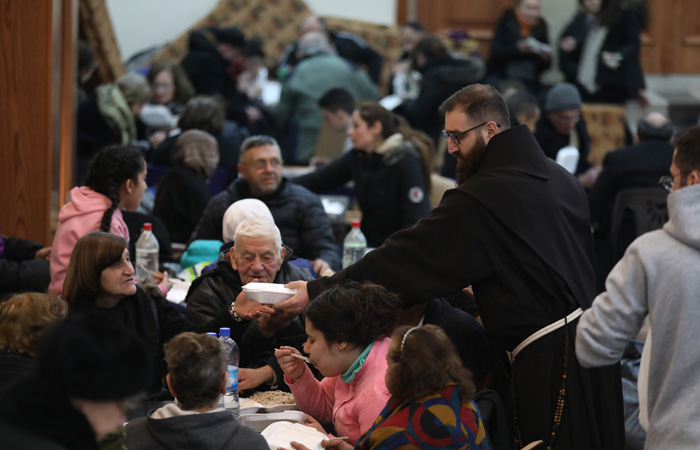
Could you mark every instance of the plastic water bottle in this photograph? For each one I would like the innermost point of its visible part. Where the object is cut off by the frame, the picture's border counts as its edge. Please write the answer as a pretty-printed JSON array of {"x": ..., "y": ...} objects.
[
  {"x": 354, "y": 245},
  {"x": 146, "y": 253},
  {"x": 232, "y": 355}
]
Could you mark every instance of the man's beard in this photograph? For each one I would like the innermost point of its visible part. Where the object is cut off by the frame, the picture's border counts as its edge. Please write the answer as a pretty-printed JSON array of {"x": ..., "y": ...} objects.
[{"x": 468, "y": 165}]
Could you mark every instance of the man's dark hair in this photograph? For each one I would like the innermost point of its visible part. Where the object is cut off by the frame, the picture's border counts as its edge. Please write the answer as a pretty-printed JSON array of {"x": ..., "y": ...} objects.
[
  {"x": 522, "y": 103},
  {"x": 86, "y": 56},
  {"x": 430, "y": 46},
  {"x": 481, "y": 102},
  {"x": 337, "y": 98},
  {"x": 687, "y": 156},
  {"x": 652, "y": 127},
  {"x": 255, "y": 142}
]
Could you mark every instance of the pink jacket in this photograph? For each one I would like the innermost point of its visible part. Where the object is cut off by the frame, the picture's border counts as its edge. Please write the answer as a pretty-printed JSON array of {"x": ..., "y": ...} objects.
[
  {"x": 77, "y": 218},
  {"x": 352, "y": 407}
]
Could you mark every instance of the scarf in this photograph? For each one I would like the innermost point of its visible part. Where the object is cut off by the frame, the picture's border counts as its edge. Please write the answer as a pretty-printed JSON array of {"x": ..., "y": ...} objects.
[
  {"x": 427, "y": 421},
  {"x": 116, "y": 112}
]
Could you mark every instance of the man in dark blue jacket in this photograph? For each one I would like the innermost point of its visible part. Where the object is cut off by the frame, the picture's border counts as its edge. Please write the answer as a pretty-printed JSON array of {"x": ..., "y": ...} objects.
[{"x": 298, "y": 212}]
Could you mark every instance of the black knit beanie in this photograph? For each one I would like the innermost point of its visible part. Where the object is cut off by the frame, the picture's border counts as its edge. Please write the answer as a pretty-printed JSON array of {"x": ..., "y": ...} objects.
[
  {"x": 93, "y": 357},
  {"x": 230, "y": 35}
]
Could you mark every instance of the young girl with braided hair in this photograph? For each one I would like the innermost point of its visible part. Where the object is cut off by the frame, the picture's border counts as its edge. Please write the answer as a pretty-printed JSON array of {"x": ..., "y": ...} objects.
[{"x": 116, "y": 179}]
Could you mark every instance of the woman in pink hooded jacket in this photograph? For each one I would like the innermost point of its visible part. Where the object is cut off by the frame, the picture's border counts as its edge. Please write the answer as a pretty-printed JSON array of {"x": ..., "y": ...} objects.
[
  {"x": 347, "y": 328},
  {"x": 116, "y": 179}
]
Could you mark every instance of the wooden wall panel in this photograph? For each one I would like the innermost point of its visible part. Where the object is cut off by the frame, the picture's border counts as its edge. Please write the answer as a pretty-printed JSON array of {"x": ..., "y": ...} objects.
[
  {"x": 26, "y": 117},
  {"x": 65, "y": 109},
  {"x": 37, "y": 113}
]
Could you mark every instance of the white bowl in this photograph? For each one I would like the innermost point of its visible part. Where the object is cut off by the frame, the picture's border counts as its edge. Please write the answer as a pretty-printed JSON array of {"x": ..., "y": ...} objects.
[
  {"x": 259, "y": 422},
  {"x": 268, "y": 293},
  {"x": 248, "y": 406},
  {"x": 280, "y": 434}
]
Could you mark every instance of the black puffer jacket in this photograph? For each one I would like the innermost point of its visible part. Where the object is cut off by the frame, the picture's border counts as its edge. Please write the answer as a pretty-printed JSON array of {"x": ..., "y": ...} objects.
[
  {"x": 218, "y": 288},
  {"x": 298, "y": 213},
  {"x": 390, "y": 186},
  {"x": 19, "y": 271}
]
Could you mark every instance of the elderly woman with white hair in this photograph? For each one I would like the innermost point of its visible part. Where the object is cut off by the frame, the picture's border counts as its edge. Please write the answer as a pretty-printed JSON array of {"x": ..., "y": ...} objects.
[
  {"x": 256, "y": 256},
  {"x": 241, "y": 210}
]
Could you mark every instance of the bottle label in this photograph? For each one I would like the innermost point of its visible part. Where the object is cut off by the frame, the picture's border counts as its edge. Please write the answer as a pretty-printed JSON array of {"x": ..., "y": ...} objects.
[{"x": 232, "y": 384}]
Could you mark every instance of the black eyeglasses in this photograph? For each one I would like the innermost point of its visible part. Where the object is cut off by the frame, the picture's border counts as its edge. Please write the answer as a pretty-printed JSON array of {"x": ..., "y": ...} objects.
[
  {"x": 459, "y": 135},
  {"x": 666, "y": 182}
]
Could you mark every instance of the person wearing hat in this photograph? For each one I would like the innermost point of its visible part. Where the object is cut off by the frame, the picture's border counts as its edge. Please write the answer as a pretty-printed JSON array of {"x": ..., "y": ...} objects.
[
  {"x": 212, "y": 52},
  {"x": 562, "y": 125},
  {"x": 89, "y": 368}
]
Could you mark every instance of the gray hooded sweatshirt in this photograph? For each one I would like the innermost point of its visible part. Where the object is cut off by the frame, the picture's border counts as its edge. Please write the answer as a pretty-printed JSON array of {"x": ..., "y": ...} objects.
[
  {"x": 658, "y": 276},
  {"x": 170, "y": 428}
]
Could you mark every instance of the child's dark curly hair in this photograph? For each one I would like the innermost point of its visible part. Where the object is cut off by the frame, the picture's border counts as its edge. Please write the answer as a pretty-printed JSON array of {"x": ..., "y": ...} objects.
[
  {"x": 108, "y": 170},
  {"x": 354, "y": 313}
]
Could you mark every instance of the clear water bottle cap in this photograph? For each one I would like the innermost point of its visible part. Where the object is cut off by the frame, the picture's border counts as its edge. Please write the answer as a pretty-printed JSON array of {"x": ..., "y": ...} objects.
[
  {"x": 147, "y": 226},
  {"x": 211, "y": 333},
  {"x": 356, "y": 224},
  {"x": 224, "y": 331}
]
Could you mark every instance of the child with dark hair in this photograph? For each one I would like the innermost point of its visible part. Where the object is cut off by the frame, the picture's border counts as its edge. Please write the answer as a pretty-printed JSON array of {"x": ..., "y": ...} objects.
[
  {"x": 347, "y": 328},
  {"x": 197, "y": 377},
  {"x": 116, "y": 179}
]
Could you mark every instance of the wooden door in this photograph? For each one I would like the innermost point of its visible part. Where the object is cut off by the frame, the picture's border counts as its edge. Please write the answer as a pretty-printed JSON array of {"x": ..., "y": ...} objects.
[
  {"x": 671, "y": 42},
  {"x": 477, "y": 17}
]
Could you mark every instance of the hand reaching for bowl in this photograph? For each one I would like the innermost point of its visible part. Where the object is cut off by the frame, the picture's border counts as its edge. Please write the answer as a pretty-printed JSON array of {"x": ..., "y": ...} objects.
[
  {"x": 298, "y": 303},
  {"x": 249, "y": 310}
]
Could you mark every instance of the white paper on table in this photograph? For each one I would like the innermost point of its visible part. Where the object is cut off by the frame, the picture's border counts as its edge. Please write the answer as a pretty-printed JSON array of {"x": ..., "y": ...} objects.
[
  {"x": 178, "y": 292},
  {"x": 390, "y": 101}
]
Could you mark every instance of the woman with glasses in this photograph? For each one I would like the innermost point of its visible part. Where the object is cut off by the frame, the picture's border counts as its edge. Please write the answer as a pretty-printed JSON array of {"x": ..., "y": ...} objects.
[
  {"x": 390, "y": 165},
  {"x": 170, "y": 85},
  {"x": 171, "y": 88}
]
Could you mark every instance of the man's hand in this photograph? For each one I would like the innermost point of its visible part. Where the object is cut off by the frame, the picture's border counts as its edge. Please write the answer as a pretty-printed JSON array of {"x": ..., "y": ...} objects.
[
  {"x": 589, "y": 177},
  {"x": 252, "y": 378},
  {"x": 157, "y": 138},
  {"x": 320, "y": 266},
  {"x": 249, "y": 310},
  {"x": 292, "y": 367},
  {"x": 567, "y": 44},
  {"x": 297, "y": 304},
  {"x": 43, "y": 254},
  {"x": 270, "y": 324}
]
